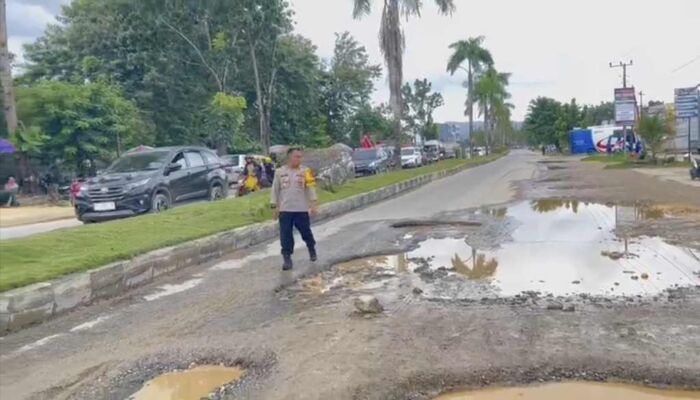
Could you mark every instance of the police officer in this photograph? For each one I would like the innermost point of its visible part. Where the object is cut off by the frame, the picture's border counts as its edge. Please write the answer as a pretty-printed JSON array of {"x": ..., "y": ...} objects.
[{"x": 293, "y": 202}]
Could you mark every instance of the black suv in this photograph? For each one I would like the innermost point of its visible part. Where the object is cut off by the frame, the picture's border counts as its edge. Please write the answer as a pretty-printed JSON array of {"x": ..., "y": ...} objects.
[
  {"x": 151, "y": 180},
  {"x": 370, "y": 161}
]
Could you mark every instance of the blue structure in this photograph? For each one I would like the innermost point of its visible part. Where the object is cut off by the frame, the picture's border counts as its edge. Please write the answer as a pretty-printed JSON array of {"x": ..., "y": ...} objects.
[{"x": 582, "y": 141}]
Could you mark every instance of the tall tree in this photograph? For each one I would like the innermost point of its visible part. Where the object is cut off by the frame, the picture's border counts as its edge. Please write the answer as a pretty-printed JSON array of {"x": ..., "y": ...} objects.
[
  {"x": 79, "y": 122},
  {"x": 540, "y": 121},
  {"x": 392, "y": 43},
  {"x": 8, "y": 94},
  {"x": 349, "y": 83},
  {"x": 477, "y": 57},
  {"x": 570, "y": 117},
  {"x": 420, "y": 102},
  {"x": 491, "y": 93},
  {"x": 264, "y": 23}
]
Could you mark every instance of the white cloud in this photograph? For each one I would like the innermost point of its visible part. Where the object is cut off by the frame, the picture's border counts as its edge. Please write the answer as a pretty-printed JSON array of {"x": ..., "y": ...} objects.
[
  {"x": 25, "y": 19},
  {"x": 553, "y": 48}
]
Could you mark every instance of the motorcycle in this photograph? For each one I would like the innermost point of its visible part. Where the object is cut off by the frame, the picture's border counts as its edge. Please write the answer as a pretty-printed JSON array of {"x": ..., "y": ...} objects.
[{"x": 695, "y": 168}]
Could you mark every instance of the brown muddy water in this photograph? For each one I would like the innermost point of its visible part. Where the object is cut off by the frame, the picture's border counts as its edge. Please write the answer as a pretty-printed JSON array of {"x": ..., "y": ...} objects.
[
  {"x": 193, "y": 384},
  {"x": 557, "y": 247},
  {"x": 573, "y": 391}
]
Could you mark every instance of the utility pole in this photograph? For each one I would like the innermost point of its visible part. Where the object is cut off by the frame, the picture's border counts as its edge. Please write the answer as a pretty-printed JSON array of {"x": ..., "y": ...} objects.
[
  {"x": 9, "y": 107},
  {"x": 624, "y": 66},
  {"x": 641, "y": 103}
]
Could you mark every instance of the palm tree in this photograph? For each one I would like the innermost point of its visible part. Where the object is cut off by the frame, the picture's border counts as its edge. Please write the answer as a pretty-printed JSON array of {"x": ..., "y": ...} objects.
[
  {"x": 392, "y": 43},
  {"x": 477, "y": 57},
  {"x": 491, "y": 93}
]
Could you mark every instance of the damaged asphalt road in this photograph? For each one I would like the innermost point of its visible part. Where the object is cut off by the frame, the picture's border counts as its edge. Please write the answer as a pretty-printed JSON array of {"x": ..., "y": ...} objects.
[{"x": 452, "y": 314}]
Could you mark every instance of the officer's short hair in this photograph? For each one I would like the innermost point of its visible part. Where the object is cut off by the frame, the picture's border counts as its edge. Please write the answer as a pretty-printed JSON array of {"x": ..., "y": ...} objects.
[{"x": 293, "y": 149}]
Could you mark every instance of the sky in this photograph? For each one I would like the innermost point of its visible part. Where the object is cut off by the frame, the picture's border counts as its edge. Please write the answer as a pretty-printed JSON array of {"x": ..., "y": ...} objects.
[{"x": 555, "y": 48}]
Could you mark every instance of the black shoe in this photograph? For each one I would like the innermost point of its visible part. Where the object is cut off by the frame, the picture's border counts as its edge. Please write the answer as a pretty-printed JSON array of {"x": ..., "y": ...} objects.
[
  {"x": 312, "y": 254},
  {"x": 287, "y": 264}
]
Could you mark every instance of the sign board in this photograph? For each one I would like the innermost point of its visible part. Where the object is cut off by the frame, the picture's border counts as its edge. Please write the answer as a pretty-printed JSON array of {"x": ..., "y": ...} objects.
[
  {"x": 625, "y": 106},
  {"x": 687, "y": 102}
]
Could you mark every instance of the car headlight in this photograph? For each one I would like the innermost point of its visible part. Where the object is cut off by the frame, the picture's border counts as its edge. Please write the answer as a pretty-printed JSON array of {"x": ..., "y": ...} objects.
[
  {"x": 83, "y": 191},
  {"x": 373, "y": 164},
  {"x": 135, "y": 185}
]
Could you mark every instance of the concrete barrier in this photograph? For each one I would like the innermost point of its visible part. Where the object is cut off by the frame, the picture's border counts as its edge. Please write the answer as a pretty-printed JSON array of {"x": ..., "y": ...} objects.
[{"x": 32, "y": 304}]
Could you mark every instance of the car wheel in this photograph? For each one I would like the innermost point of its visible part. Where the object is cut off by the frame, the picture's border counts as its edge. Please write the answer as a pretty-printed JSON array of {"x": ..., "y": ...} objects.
[
  {"x": 160, "y": 202},
  {"x": 216, "y": 192}
]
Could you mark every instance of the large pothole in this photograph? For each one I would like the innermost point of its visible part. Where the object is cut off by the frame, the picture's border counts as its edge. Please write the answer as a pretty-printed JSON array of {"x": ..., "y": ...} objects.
[{"x": 556, "y": 248}]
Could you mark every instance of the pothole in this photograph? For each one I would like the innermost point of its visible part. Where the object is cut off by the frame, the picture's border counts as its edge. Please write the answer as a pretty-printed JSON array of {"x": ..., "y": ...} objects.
[
  {"x": 573, "y": 391},
  {"x": 558, "y": 247},
  {"x": 191, "y": 384}
]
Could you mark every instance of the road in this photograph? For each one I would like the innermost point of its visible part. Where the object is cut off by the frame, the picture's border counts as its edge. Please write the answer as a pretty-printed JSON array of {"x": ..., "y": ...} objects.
[
  {"x": 233, "y": 311},
  {"x": 15, "y": 232}
]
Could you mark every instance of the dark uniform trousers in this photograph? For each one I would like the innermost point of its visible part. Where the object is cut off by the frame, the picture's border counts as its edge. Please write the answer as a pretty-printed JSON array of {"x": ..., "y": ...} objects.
[{"x": 300, "y": 220}]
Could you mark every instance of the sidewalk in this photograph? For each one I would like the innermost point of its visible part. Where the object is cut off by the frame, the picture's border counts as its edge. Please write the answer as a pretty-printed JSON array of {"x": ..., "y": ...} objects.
[
  {"x": 25, "y": 215},
  {"x": 679, "y": 175}
]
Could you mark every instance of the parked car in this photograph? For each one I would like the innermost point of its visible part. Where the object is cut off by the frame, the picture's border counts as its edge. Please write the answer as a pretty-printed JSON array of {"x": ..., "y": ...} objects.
[
  {"x": 370, "y": 161},
  {"x": 234, "y": 166},
  {"x": 411, "y": 157},
  {"x": 694, "y": 168},
  {"x": 151, "y": 181},
  {"x": 432, "y": 155}
]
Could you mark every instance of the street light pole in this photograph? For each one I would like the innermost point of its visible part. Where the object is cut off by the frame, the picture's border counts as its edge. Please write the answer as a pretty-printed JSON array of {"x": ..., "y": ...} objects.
[{"x": 624, "y": 66}]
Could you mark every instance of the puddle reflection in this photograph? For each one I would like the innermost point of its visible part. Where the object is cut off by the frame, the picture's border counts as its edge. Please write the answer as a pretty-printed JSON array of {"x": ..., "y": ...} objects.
[{"x": 558, "y": 247}]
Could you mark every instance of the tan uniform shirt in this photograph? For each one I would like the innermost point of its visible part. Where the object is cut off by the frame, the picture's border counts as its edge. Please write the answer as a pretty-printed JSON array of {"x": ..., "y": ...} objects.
[{"x": 293, "y": 189}]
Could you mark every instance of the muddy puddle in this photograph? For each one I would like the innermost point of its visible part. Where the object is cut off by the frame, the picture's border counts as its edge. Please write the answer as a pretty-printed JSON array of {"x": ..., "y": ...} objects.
[
  {"x": 555, "y": 247},
  {"x": 193, "y": 384},
  {"x": 573, "y": 391}
]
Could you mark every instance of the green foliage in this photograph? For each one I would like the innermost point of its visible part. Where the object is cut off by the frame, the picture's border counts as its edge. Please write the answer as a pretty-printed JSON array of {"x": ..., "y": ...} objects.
[
  {"x": 419, "y": 104},
  {"x": 72, "y": 123},
  {"x": 223, "y": 121},
  {"x": 29, "y": 140},
  {"x": 597, "y": 115},
  {"x": 540, "y": 121},
  {"x": 348, "y": 85},
  {"x": 373, "y": 121},
  {"x": 654, "y": 130}
]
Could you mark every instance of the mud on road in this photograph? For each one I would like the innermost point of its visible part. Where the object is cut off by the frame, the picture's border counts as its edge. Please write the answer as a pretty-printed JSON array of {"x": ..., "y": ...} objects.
[{"x": 581, "y": 277}]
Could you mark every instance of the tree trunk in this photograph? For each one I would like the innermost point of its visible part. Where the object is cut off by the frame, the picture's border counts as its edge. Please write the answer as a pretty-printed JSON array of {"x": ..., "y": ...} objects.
[
  {"x": 9, "y": 107},
  {"x": 262, "y": 115},
  {"x": 470, "y": 105},
  {"x": 487, "y": 132},
  {"x": 392, "y": 43}
]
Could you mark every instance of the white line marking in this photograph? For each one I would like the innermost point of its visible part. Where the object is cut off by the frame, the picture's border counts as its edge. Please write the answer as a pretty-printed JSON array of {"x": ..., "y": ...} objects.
[{"x": 167, "y": 290}]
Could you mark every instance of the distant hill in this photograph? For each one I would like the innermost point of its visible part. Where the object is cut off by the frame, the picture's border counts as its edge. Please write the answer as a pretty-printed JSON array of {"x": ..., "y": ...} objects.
[{"x": 452, "y": 131}]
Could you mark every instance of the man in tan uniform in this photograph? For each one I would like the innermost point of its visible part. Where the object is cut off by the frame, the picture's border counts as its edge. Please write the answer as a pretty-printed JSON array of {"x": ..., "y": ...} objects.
[{"x": 293, "y": 201}]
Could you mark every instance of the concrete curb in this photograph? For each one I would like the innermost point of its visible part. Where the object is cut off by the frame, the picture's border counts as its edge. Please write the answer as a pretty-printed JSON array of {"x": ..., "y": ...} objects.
[{"x": 32, "y": 304}]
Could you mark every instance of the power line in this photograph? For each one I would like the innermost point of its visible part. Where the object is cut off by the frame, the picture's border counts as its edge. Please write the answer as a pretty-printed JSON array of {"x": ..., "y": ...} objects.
[{"x": 686, "y": 64}]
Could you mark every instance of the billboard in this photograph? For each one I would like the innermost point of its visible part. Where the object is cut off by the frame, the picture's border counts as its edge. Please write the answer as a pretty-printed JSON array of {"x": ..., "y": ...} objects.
[
  {"x": 687, "y": 100},
  {"x": 625, "y": 106}
]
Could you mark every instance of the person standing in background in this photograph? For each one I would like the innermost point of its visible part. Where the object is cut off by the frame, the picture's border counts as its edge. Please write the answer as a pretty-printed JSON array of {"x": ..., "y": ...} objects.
[{"x": 294, "y": 202}]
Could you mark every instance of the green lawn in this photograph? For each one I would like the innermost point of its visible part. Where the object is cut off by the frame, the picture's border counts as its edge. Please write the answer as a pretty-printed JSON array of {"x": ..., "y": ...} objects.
[
  {"x": 50, "y": 255},
  {"x": 623, "y": 161}
]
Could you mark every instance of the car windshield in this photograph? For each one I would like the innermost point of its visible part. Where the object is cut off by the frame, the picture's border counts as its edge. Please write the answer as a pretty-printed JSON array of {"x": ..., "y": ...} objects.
[
  {"x": 149, "y": 161},
  {"x": 363, "y": 155},
  {"x": 407, "y": 152}
]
